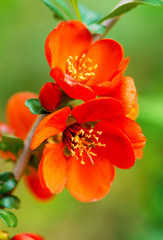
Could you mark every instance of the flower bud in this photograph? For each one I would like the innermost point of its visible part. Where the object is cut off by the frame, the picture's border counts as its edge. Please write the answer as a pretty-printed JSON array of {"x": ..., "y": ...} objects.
[
  {"x": 27, "y": 236},
  {"x": 3, "y": 235},
  {"x": 50, "y": 96}
]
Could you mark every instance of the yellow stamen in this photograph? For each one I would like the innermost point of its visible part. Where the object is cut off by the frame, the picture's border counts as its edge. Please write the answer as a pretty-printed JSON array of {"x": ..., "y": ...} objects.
[
  {"x": 80, "y": 69},
  {"x": 84, "y": 142}
]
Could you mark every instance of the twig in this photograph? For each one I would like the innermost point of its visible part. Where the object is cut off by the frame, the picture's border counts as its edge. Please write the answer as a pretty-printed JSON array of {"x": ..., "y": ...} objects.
[
  {"x": 23, "y": 159},
  {"x": 109, "y": 23}
]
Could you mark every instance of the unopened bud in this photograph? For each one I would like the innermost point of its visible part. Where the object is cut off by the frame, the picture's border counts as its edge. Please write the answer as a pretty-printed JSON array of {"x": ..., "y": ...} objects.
[
  {"x": 3, "y": 235},
  {"x": 50, "y": 96}
]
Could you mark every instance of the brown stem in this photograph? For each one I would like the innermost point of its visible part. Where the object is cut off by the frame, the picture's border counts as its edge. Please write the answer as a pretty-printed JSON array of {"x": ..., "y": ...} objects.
[
  {"x": 108, "y": 24},
  {"x": 23, "y": 159}
]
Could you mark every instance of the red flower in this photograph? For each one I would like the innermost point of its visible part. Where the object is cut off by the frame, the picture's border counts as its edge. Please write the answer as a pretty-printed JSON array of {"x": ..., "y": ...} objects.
[
  {"x": 27, "y": 236},
  {"x": 84, "y": 69},
  {"x": 20, "y": 120},
  {"x": 83, "y": 158}
]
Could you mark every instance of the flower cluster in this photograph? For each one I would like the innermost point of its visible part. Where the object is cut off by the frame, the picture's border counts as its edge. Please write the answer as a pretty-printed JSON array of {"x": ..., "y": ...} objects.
[
  {"x": 91, "y": 109},
  {"x": 83, "y": 144}
]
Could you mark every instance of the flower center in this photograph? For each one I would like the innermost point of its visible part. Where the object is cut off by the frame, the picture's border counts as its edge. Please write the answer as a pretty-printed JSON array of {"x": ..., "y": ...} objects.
[
  {"x": 80, "y": 68},
  {"x": 82, "y": 139}
]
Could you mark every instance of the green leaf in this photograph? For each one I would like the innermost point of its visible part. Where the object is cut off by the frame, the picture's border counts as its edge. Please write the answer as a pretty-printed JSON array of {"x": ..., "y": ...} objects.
[
  {"x": 11, "y": 202},
  {"x": 11, "y": 143},
  {"x": 9, "y": 218},
  {"x": 7, "y": 182},
  {"x": 60, "y": 9},
  {"x": 76, "y": 8},
  {"x": 96, "y": 28},
  {"x": 88, "y": 16},
  {"x": 57, "y": 12},
  {"x": 34, "y": 106},
  {"x": 129, "y": 5},
  {"x": 64, "y": 7}
]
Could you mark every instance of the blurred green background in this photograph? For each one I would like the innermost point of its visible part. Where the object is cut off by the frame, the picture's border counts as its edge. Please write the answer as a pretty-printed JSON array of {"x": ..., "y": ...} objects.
[{"x": 134, "y": 208}]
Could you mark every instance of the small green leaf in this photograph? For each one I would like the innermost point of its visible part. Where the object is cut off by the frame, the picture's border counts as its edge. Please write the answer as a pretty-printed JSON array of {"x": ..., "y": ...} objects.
[
  {"x": 96, "y": 28},
  {"x": 11, "y": 202},
  {"x": 60, "y": 9},
  {"x": 11, "y": 143},
  {"x": 57, "y": 12},
  {"x": 9, "y": 218},
  {"x": 131, "y": 4},
  {"x": 88, "y": 16},
  {"x": 34, "y": 106},
  {"x": 7, "y": 182}
]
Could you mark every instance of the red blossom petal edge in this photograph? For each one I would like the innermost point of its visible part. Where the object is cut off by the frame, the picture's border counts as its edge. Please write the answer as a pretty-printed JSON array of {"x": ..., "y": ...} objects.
[
  {"x": 72, "y": 88},
  {"x": 27, "y": 236},
  {"x": 97, "y": 109}
]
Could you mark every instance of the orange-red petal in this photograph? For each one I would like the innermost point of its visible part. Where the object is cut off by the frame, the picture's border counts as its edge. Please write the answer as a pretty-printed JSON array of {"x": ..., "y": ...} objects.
[
  {"x": 97, "y": 109},
  {"x": 138, "y": 153},
  {"x": 131, "y": 129},
  {"x": 52, "y": 169},
  {"x": 118, "y": 150},
  {"x": 71, "y": 87},
  {"x": 18, "y": 115},
  {"x": 106, "y": 87},
  {"x": 134, "y": 110},
  {"x": 107, "y": 54},
  {"x": 51, "y": 125},
  {"x": 88, "y": 182},
  {"x": 126, "y": 93},
  {"x": 68, "y": 39},
  {"x": 33, "y": 183}
]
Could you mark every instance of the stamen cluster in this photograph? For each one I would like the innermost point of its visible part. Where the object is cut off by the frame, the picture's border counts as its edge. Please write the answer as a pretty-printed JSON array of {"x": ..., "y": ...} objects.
[
  {"x": 80, "y": 69},
  {"x": 82, "y": 139}
]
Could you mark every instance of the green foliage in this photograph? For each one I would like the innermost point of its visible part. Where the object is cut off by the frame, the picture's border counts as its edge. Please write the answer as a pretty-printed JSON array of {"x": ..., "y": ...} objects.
[
  {"x": 11, "y": 202},
  {"x": 7, "y": 182},
  {"x": 56, "y": 10},
  {"x": 97, "y": 28},
  {"x": 34, "y": 106},
  {"x": 11, "y": 143},
  {"x": 76, "y": 8},
  {"x": 74, "y": 3},
  {"x": 61, "y": 11},
  {"x": 88, "y": 16},
  {"x": 129, "y": 5},
  {"x": 9, "y": 218},
  {"x": 59, "y": 8}
]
